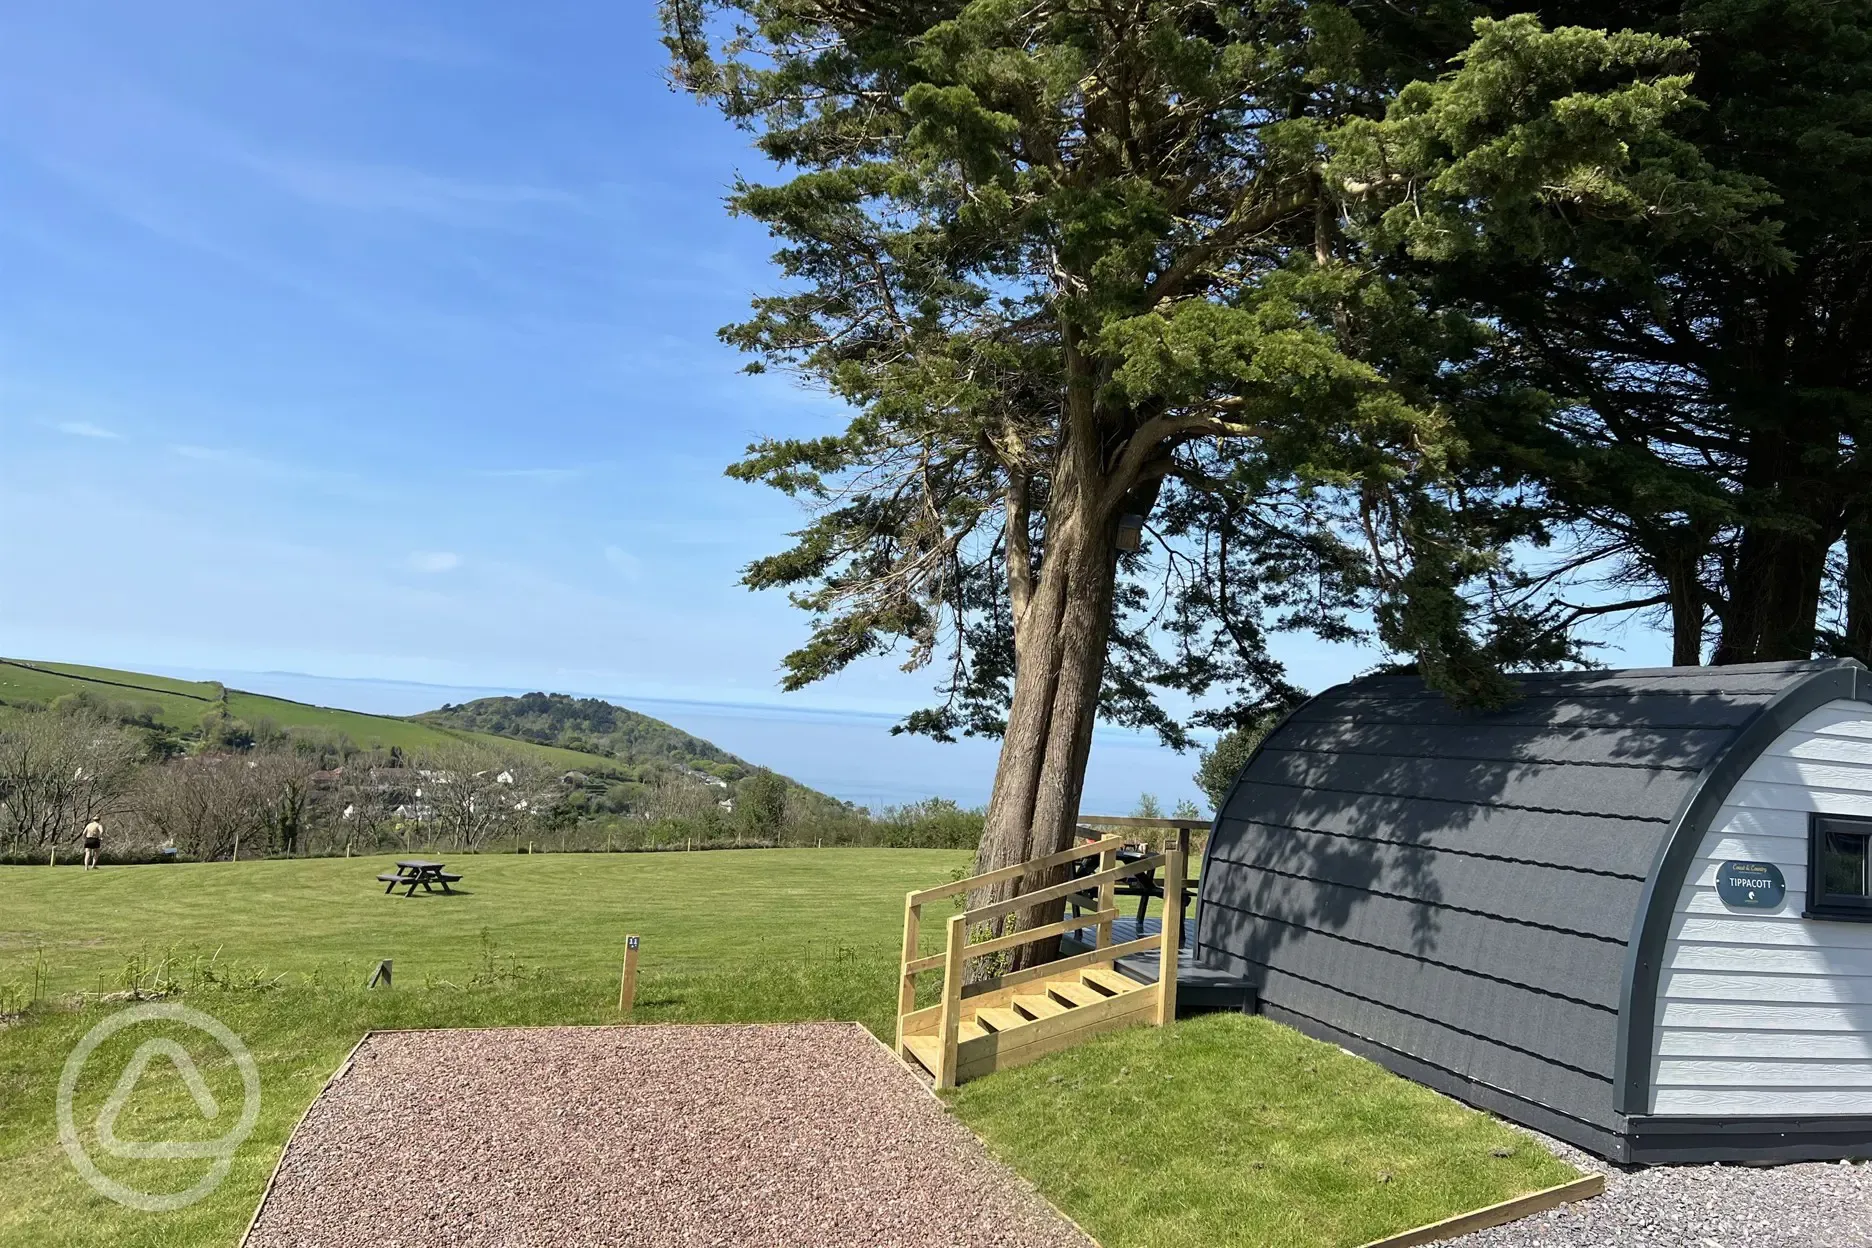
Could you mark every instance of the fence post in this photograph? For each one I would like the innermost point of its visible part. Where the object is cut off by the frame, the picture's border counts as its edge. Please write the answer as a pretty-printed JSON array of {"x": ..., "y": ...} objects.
[
  {"x": 1107, "y": 897},
  {"x": 951, "y": 1003},
  {"x": 1172, "y": 927},
  {"x": 906, "y": 983}
]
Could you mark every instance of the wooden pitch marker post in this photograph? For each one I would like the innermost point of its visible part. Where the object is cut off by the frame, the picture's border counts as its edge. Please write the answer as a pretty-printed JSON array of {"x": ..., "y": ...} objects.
[
  {"x": 627, "y": 986},
  {"x": 381, "y": 975}
]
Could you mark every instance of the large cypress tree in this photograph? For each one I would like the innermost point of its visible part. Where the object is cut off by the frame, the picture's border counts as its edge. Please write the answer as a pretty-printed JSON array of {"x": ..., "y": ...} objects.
[
  {"x": 1127, "y": 389},
  {"x": 1707, "y": 447}
]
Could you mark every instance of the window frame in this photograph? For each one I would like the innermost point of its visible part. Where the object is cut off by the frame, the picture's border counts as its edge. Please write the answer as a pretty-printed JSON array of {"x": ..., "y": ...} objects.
[{"x": 1819, "y": 906}]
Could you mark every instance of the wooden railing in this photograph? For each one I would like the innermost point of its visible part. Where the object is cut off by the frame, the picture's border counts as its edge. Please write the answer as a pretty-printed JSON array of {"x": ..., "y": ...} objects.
[{"x": 957, "y": 950}]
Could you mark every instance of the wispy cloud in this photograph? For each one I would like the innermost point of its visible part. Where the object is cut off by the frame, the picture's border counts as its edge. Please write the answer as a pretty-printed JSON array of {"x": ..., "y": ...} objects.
[
  {"x": 84, "y": 429},
  {"x": 435, "y": 560},
  {"x": 370, "y": 188}
]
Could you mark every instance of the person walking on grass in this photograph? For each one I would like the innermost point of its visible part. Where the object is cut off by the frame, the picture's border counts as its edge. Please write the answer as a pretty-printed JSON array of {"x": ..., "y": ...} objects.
[{"x": 93, "y": 842}]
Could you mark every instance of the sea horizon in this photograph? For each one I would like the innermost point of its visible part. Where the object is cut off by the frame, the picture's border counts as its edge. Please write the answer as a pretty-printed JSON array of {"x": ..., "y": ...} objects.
[{"x": 849, "y": 753}]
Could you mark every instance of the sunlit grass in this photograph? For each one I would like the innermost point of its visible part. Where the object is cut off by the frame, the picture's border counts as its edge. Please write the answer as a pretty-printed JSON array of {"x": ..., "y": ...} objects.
[
  {"x": 1226, "y": 1130},
  {"x": 1218, "y": 1131}
]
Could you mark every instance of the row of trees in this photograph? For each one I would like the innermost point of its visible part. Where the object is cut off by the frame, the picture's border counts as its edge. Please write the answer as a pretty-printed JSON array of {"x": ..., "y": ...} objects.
[
  {"x": 1171, "y": 324},
  {"x": 62, "y": 767}
]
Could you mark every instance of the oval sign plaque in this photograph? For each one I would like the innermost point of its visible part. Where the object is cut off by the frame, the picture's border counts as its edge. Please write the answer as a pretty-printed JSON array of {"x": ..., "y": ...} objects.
[{"x": 1751, "y": 885}]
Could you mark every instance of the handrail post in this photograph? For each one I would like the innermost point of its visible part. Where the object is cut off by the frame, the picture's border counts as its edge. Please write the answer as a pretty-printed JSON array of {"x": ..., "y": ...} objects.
[
  {"x": 1107, "y": 897},
  {"x": 1172, "y": 927},
  {"x": 906, "y": 980},
  {"x": 951, "y": 1019}
]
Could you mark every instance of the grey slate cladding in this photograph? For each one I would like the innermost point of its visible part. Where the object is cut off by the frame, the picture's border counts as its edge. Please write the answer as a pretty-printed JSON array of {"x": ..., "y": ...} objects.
[{"x": 1455, "y": 891}]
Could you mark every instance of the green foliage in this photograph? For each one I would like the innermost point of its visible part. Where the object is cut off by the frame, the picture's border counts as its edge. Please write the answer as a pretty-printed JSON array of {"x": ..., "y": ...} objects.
[
  {"x": 1509, "y": 155},
  {"x": 220, "y": 731},
  {"x": 760, "y": 800},
  {"x": 1687, "y": 289},
  {"x": 1222, "y": 762},
  {"x": 588, "y": 724}
]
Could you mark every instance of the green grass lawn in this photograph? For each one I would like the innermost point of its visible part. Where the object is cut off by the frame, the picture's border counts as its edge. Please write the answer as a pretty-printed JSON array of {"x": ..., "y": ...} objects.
[
  {"x": 1227, "y": 1130},
  {"x": 1216, "y": 1131},
  {"x": 567, "y": 913}
]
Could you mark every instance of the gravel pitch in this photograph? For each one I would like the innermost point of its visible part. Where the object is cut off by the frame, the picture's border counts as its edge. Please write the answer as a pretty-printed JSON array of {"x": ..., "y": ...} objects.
[
  {"x": 568, "y": 1136},
  {"x": 1806, "y": 1205}
]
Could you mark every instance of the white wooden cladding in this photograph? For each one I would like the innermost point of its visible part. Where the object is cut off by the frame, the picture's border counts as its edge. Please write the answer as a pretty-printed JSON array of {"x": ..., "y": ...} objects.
[
  {"x": 1760, "y": 1102},
  {"x": 1762, "y": 1012}
]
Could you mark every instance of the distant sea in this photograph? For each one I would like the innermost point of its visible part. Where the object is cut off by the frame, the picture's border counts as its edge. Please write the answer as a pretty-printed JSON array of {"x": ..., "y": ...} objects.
[{"x": 849, "y": 754}]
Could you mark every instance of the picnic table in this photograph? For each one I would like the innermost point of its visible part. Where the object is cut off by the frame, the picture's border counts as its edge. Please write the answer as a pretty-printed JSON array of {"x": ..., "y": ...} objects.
[
  {"x": 412, "y": 872},
  {"x": 1143, "y": 887}
]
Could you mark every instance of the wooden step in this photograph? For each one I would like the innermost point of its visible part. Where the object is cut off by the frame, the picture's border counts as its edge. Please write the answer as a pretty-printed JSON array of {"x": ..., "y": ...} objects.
[
  {"x": 969, "y": 1029},
  {"x": 924, "y": 1049},
  {"x": 1110, "y": 981},
  {"x": 1070, "y": 993},
  {"x": 1000, "y": 1018},
  {"x": 1038, "y": 1007}
]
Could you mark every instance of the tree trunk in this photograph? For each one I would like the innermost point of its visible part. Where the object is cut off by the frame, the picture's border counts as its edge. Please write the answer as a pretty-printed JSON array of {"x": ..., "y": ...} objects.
[
  {"x": 1774, "y": 598},
  {"x": 1859, "y": 593},
  {"x": 1059, "y": 663},
  {"x": 1774, "y": 602},
  {"x": 1679, "y": 574}
]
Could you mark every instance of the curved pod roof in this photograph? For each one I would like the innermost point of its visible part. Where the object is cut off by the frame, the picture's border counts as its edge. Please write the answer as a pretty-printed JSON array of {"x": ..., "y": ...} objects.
[{"x": 1482, "y": 899}]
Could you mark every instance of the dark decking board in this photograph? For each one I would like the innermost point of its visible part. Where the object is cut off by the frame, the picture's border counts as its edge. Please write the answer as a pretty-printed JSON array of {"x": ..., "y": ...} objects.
[{"x": 1201, "y": 988}]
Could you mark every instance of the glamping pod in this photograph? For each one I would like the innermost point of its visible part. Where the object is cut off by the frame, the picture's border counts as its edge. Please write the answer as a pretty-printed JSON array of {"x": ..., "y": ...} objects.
[{"x": 1632, "y": 910}]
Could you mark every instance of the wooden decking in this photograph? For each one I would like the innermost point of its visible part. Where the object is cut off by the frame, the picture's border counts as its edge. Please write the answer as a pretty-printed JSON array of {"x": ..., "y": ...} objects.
[{"x": 1201, "y": 988}]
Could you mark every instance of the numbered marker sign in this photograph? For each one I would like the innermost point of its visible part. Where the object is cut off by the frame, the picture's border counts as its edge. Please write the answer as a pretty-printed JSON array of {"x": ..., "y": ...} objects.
[
  {"x": 630, "y": 942},
  {"x": 1750, "y": 885}
]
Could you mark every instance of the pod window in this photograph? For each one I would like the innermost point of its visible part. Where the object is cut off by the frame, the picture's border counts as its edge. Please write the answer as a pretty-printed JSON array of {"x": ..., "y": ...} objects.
[{"x": 1839, "y": 868}]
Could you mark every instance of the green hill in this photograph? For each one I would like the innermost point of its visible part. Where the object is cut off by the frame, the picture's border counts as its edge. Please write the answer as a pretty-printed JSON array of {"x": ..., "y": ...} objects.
[
  {"x": 608, "y": 742},
  {"x": 589, "y": 725},
  {"x": 181, "y": 705}
]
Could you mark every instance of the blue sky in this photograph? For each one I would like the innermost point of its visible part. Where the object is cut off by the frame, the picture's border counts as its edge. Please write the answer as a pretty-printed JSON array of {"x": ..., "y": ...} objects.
[{"x": 378, "y": 341}]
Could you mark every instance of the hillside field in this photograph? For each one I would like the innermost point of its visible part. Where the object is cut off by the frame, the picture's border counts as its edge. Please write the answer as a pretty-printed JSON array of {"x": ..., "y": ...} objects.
[{"x": 182, "y": 703}]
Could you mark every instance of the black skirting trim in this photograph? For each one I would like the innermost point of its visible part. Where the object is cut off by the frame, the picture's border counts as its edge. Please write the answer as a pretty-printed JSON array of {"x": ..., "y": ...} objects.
[{"x": 1658, "y": 1139}]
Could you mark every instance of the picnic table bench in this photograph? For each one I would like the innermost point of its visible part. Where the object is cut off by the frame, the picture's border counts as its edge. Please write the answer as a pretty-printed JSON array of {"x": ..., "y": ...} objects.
[{"x": 412, "y": 872}]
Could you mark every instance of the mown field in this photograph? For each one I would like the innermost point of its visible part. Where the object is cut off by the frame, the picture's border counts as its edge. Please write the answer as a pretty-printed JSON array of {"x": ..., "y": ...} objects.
[
  {"x": 182, "y": 703},
  {"x": 1218, "y": 1131}
]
